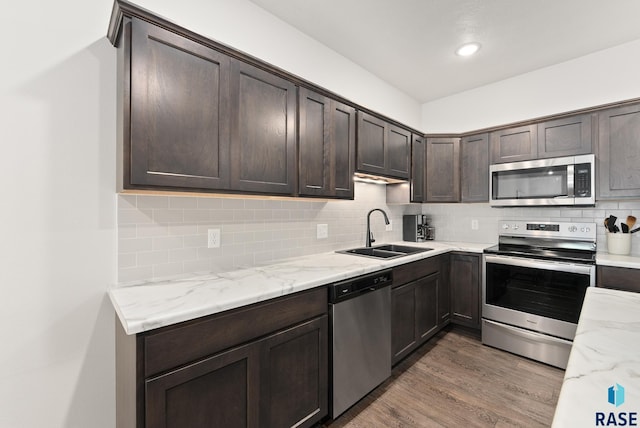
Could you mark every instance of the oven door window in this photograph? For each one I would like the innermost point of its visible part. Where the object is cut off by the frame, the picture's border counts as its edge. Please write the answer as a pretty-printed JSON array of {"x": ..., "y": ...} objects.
[{"x": 547, "y": 293}]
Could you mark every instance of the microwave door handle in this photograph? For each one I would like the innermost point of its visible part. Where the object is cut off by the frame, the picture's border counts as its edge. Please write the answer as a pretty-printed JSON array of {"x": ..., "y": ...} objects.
[{"x": 570, "y": 181}]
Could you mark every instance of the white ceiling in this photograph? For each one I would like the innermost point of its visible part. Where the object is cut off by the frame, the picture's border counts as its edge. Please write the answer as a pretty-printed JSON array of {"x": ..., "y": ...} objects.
[{"x": 410, "y": 43}]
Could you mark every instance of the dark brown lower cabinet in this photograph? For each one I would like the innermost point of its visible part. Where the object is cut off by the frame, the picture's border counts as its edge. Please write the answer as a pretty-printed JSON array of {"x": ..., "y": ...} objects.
[
  {"x": 626, "y": 279},
  {"x": 465, "y": 289},
  {"x": 253, "y": 385},
  {"x": 275, "y": 380},
  {"x": 220, "y": 391},
  {"x": 416, "y": 310},
  {"x": 294, "y": 375}
]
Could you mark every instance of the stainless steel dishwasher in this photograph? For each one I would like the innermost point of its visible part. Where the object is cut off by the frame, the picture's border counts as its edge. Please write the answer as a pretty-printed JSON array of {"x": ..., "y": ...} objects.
[{"x": 360, "y": 311}]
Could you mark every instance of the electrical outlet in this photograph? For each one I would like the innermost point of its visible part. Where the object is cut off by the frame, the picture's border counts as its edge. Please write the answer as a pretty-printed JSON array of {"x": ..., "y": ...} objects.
[
  {"x": 474, "y": 224},
  {"x": 213, "y": 238},
  {"x": 322, "y": 231},
  {"x": 389, "y": 227}
]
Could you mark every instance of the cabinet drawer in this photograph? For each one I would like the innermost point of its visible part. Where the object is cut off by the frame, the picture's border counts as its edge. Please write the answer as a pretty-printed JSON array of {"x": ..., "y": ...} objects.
[
  {"x": 626, "y": 279},
  {"x": 172, "y": 346},
  {"x": 412, "y": 271}
]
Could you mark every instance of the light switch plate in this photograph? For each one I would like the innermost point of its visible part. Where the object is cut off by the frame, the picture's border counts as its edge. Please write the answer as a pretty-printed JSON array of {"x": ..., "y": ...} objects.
[{"x": 322, "y": 231}]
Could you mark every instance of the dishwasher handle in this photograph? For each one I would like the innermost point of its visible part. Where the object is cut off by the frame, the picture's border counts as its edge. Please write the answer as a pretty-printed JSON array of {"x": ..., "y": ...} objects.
[{"x": 354, "y": 287}]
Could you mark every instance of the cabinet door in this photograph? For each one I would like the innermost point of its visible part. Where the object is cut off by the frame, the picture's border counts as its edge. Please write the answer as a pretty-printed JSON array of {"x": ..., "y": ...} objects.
[
  {"x": 263, "y": 131},
  {"x": 514, "y": 144},
  {"x": 565, "y": 137},
  {"x": 179, "y": 112},
  {"x": 220, "y": 391},
  {"x": 619, "y": 153},
  {"x": 398, "y": 152},
  {"x": 443, "y": 170},
  {"x": 427, "y": 306},
  {"x": 294, "y": 363},
  {"x": 465, "y": 289},
  {"x": 372, "y": 142},
  {"x": 403, "y": 321},
  {"x": 326, "y": 145},
  {"x": 418, "y": 153},
  {"x": 474, "y": 170}
]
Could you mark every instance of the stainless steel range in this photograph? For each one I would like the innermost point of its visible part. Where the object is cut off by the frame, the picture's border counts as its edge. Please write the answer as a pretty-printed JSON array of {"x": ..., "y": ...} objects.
[{"x": 533, "y": 287}]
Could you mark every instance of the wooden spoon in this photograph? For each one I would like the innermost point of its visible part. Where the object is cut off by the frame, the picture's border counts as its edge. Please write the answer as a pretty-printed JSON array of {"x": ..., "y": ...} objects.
[{"x": 631, "y": 220}]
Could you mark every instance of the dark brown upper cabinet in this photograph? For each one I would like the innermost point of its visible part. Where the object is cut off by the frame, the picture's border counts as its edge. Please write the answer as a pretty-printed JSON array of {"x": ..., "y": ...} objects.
[
  {"x": 327, "y": 141},
  {"x": 418, "y": 157},
  {"x": 618, "y": 164},
  {"x": 263, "y": 131},
  {"x": 514, "y": 144},
  {"x": 443, "y": 169},
  {"x": 383, "y": 148},
  {"x": 176, "y": 102},
  {"x": 568, "y": 136},
  {"x": 474, "y": 170}
]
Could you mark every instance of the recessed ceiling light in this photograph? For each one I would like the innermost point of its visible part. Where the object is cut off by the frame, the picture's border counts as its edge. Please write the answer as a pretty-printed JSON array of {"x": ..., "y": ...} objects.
[{"x": 468, "y": 49}]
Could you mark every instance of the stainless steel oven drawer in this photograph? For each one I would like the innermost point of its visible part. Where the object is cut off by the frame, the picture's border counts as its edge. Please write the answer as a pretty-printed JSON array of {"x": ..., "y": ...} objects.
[{"x": 547, "y": 349}]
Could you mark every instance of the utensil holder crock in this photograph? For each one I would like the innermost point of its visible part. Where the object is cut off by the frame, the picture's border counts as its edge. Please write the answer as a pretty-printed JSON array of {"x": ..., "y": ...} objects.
[{"x": 619, "y": 243}]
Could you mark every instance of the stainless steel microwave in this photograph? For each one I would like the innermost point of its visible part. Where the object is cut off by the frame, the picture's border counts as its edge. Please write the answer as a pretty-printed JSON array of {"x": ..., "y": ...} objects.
[{"x": 557, "y": 181}]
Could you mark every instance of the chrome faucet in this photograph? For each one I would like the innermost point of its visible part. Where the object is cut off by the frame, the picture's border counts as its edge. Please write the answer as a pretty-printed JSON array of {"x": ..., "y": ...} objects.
[{"x": 369, "y": 234}]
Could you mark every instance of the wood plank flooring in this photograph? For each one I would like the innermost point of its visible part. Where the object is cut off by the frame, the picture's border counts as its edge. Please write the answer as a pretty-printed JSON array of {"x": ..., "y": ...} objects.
[{"x": 455, "y": 381}]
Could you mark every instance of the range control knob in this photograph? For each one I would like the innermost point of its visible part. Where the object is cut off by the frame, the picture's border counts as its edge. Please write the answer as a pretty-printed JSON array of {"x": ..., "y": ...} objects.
[
  {"x": 586, "y": 229},
  {"x": 573, "y": 229},
  {"x": 505, "y": 226},
  {"x": 516, "y": 227}
]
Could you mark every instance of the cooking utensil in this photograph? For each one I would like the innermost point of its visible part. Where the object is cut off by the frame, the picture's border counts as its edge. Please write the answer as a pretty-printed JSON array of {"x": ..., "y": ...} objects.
[
  {"x": 625, "y": 228},
  {"x": 635, "y": 230},
  {"x": 631, "y": 221},
  {"x": 612, "y": 224}
]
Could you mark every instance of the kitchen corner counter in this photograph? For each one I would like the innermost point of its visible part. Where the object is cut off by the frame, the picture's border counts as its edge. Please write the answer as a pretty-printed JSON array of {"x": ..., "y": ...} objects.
[
  {"x": 605, "y": 354},
  {"x": 614, "y": 260},
  {"x": 146, "y": 305}
]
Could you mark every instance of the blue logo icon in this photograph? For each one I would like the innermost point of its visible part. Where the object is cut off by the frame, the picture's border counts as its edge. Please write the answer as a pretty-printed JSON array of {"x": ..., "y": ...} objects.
[{"x": 616, "y": 395}]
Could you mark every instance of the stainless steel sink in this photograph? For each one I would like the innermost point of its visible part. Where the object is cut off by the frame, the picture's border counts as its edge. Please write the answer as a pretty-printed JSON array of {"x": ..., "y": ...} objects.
[{"x": 385, "y": 251}]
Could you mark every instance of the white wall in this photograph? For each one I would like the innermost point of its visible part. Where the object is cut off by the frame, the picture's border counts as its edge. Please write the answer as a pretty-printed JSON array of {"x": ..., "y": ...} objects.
[
  {"x": 58, "y": 216},
  {"x": 59, "y": 234},
  {"x": 244, "y": 26},
  {"x": 599, "y": 78}
]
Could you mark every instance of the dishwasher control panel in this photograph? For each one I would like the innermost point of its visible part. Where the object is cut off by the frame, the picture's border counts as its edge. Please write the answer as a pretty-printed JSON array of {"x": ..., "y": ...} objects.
[{"x": 353, "y": 287}]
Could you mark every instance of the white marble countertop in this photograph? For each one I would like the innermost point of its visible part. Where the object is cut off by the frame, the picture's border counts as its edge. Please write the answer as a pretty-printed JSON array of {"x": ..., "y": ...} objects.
[
  {"x": 605, "y": 353},
  {"x": 143, "y": 306},
  {"x": 606, "y": 259}
]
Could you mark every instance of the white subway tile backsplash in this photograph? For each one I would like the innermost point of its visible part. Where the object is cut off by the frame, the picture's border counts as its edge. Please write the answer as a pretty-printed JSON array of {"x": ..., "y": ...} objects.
[
  {"x": 183, "y": 202},
  {"x": 134, "y": 245},
  {"x": 146, "y": 258},
  {"x": 137, "y": 273},
  {"x": 153, "y": 202},
  {"x": 152, "y": 230},
  {"x": 209, "y": 203},
  {"x": 167, "y": 235},
  {"x": 128, "y": 216},
  {"x": 183, "y": 254},
  {"x": 168, "y": 243}
]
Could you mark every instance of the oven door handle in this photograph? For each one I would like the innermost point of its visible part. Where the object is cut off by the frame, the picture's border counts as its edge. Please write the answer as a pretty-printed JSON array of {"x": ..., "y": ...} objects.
[{"x": 540, "y": 264}]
